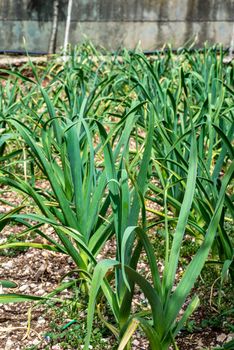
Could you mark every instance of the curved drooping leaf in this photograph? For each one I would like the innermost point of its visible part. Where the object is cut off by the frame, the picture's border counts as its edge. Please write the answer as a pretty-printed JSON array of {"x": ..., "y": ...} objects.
[{"x": 8, "y": 284}]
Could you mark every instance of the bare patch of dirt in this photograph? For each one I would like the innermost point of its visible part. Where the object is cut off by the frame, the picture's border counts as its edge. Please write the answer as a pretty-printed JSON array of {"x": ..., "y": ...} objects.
[{"x": 7, "y": 61}]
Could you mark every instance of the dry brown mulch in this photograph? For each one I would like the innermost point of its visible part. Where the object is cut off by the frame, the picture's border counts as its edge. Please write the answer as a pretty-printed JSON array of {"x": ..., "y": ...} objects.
[{"x": 36, "y": 273}]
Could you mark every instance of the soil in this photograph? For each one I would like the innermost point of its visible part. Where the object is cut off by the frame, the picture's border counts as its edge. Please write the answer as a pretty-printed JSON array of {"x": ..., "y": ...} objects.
[
  {"x": 7, "y": 61},
  {"x": 36, "y": 273}
]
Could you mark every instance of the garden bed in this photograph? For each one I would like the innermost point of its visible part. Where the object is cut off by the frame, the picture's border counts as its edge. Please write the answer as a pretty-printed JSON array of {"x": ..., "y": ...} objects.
[{"x": 115, "y": 190}]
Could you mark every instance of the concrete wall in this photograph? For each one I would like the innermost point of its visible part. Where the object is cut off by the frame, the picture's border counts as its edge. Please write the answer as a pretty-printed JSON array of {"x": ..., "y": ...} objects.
[{"x": 115, "y": 23}]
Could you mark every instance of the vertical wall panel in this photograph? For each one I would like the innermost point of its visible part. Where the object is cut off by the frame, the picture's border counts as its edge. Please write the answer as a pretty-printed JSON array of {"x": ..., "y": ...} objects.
[{"x": 120, "y": 22}]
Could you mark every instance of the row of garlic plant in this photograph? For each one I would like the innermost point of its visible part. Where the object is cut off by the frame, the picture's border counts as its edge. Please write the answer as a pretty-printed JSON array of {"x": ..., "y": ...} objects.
[{"x": 103, "y": 133}]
